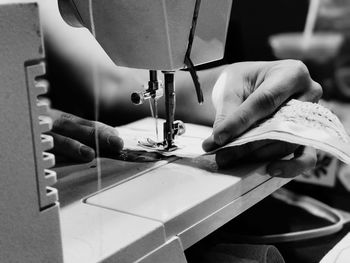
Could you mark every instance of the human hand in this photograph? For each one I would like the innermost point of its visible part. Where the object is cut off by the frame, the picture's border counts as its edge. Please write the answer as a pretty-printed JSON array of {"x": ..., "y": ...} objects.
[
  {"x": 74, "y": 137},
  {"x": 248, "y": 92}
]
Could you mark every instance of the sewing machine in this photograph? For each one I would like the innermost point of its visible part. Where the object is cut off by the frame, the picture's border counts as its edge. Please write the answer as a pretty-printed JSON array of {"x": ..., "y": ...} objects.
[
  {"x": 156, "y": 35},
  {"x": 136, "y": 212}
]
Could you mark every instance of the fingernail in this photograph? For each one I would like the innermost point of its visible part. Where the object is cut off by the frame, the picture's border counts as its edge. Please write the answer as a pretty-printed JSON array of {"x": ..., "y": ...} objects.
[
  {"x": 276, "y": 173},
  {"x": 209, "y": 143},
  {"x": 115, "y": 141},
  {"x": 223, "y": 137},
  {"x": 86, "y": 152}
]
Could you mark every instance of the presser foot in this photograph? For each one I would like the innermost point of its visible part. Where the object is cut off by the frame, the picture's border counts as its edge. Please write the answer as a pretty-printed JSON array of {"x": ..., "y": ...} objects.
[
  {"x": 158, "y": 146},
  {"x": 178, "y": 129}
]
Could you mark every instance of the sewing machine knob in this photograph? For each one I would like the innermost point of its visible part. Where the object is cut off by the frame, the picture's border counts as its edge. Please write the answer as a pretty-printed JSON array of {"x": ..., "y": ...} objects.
[
  {"x": 179, "y": 128},
  {"x": 137, "y": 98}
]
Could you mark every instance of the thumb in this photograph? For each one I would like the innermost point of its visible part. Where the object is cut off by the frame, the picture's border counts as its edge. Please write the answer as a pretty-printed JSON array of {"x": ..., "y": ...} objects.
[
  {"x": 225, "y": 101},
  {"x": 209, "y": 144}
]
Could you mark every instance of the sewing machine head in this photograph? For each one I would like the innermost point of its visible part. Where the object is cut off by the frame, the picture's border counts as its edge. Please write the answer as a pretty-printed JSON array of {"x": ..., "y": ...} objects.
[{"x": 164, "y": 35}]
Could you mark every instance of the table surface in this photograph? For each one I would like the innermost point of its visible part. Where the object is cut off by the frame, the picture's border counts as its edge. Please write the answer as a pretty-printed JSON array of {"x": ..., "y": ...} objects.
[{"x": 136, "y": 207}]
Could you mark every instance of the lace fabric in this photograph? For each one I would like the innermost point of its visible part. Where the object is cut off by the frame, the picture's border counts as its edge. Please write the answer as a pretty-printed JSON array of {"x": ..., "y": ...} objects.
[
  {"x": 303, "y": 123},
  {"x": 310, "y": 115}
]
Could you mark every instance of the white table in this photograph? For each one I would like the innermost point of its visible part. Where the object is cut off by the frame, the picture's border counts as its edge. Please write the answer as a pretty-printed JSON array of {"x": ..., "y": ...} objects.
[{"x": 152, "y": 212}]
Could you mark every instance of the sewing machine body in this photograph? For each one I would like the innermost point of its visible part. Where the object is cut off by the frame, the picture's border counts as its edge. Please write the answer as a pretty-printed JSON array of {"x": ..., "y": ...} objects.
[
  {"x": 144, "y": 212},
  {"x": 153, "y": 34},
  {"x": 29, "y": 220}
]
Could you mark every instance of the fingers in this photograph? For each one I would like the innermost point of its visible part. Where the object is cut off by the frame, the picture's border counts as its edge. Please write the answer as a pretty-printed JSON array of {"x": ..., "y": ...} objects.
[
  {"x": 85, "y": 131},
  {"x": 60, "y": 117},
  {"x": 300, "y": 81},
  {"x": 314, "y": 93},
  {"x": 272, "y": 151},
  {"x": 72, "y": 127},
  {"x": 229, "y": 156},
  {"x": 284, "y": 80},
  {"x": 209, "y": 144},
  {"x": 261, "y": 103},
  {"x": 304, "y": 159},
  {"x": 252, "y": 152},
  {"x": 72, "y": 149},
  {"x": 226, "y": 98}
]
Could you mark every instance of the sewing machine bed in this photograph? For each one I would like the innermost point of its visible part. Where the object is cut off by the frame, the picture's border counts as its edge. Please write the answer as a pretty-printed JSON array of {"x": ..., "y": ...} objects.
[{"x": 153, "y": 211}]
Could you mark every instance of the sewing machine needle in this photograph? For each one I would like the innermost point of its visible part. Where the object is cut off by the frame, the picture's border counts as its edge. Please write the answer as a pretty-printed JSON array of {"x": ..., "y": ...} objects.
[
  {"x": 156, "y": 116},
  {"x": 153, "y": 103}
]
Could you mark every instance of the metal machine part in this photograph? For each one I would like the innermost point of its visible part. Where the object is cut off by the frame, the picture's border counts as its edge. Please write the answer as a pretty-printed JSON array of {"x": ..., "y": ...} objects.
[
  {"x": 152, "y": 94},
  {"x": 171, "y": 128},
  {"x": 170, "y": 104},
  {"x": 154, "y": 90}
]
